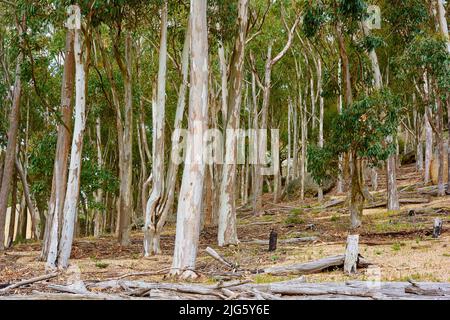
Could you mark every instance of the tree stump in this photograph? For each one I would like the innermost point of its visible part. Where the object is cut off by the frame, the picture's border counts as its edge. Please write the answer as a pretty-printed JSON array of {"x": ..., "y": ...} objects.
[
  {"x": 273, "y": 240},
  {"x": 351, "y": 254},
  {"x": 437, "y": 229}
]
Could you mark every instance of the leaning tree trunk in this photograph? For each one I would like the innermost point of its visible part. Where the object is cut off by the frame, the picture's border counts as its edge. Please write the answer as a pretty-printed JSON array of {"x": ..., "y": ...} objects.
[
  {"x": 73, "y": 182},
  {"x": 227, "y": 233},
  {"x": 35, "y": 217},
  {"x": 59, "y": 183},
  {"x": 10, "y": 155},
  {"x": 191, "y": 193}
]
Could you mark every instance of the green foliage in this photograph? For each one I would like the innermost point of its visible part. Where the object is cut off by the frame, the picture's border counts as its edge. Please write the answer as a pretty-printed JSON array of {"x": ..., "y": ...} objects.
[
  {"x": 313, "y": 19},
  {"x": 362, "y": 129},
  {"x": 294, "y": 217},
  {"x": 430, "y": 54},
  {"x": 41, "y": 167},
  {"x": 372, "y": 42}
]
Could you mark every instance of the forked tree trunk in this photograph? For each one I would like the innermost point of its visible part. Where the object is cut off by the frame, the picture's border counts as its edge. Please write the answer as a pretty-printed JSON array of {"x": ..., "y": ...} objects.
[
  {"x": 59, "y": 183},
  {"x": 73, "y": 182},
  {"x": 151, "y": 243},
  {"x": 191, "y": 192},
  {"x": 227, "y": 233},
  {"x": 159, "y": 212}
]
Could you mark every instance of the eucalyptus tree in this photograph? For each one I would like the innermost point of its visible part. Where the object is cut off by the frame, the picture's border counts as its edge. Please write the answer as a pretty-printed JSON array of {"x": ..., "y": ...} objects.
[
  {"x": 10, "y": 153},
  {"x": 227, "y": 233},
  {"x": 191, "y": 192}
]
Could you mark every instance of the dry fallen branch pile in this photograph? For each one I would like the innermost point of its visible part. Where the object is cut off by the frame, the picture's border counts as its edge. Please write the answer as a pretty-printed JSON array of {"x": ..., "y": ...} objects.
[{"x": 238, "y": 290}]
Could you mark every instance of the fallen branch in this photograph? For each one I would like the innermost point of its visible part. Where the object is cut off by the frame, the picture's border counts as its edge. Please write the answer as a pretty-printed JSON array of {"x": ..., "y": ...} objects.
[
  {"x": 213, "y": 253},
  {"x": 313, "y": 266},
  {"x": 29, "y": 281}
]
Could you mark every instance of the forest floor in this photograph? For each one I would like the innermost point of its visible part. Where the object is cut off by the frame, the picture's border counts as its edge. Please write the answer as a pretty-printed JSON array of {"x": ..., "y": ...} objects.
[{"x": 399, "y": 244}]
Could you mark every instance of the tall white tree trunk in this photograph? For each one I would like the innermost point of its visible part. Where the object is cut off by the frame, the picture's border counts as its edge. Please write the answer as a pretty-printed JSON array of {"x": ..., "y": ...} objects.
[
  {"x": 428, "y": 134},
  {"x": 227, "y": 233},
  {"x": 191, "y": 192},
  {"x": 73, "y": 182},
  {"x": 340, "y": 182},
  {"x": 10, "y": 155},
  {"x": 392, "y": 194},
  {"x": 151, "y": 243},
  {"x": 126, "y": 196},
  {"x": 98, "y": 214},
  {"x": 59, "y": 183},
  {"x": 321, "y": 114},
  {"x": 443, "y": 22}
]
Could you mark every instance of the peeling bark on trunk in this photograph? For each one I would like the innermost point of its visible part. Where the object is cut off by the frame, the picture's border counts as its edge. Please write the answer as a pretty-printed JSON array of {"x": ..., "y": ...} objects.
[
  {"x": 160, "y": 202},
  {"x": 59, "y": 183},
  {"x": 151, "y": 239},
  {"x": 191, "y": 192},
  {"x": 126, "y": 196},
  {"x": 227, "y": 233},
  {"x": 73, "y": 182}
]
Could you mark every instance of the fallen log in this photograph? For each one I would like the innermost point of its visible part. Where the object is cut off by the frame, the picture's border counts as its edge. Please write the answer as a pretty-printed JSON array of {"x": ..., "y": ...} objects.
[
  {"x": 312, "y": 266},
  {"x": 401, "y": 201},
  {"x": 332, "y": 203},
  {"x": 416, "y": 289},
  {"x": 28, "y": 281},
  {"x": 292, "y": 289}
]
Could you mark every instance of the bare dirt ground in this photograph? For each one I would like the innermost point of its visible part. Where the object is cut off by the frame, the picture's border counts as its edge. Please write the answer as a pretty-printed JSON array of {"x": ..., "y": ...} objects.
[{"x": 399, "y": 244}]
